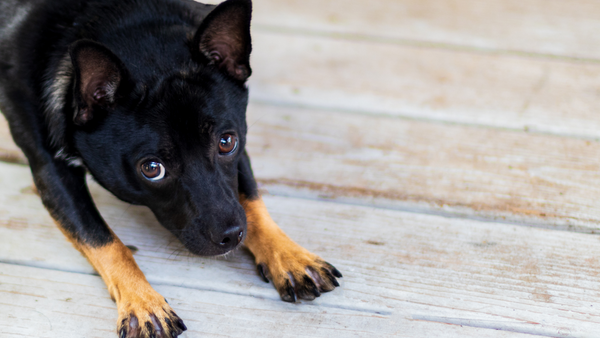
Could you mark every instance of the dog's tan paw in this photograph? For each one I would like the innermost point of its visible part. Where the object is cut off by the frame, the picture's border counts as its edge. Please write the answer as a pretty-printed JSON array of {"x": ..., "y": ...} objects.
[
  {"x": 297, "y": 273},
  {"x": 148, "y": 316}
]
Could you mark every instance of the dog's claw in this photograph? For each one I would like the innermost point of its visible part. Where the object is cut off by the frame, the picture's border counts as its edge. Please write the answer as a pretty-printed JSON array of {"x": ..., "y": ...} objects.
[
  {"x": 315, "y": 289},
  {"x": 331, "y": 278},
  {"x": 307, "y": 289},
  {"x": 181, "y": 325},
  {"x": 305, "y": 278},
  {"x": 150, "y": 329},
  {"x": 288, "y": 295},
  {"x": 261, "y": 270},
  {"x": 336, "y": 273},
  {"x": 333, "y": 270},
  {"x": 162, "y": 324}
]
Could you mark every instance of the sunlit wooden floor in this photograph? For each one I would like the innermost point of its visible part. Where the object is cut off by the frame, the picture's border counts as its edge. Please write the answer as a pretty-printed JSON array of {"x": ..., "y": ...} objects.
[{"x": 444, "y": 155}]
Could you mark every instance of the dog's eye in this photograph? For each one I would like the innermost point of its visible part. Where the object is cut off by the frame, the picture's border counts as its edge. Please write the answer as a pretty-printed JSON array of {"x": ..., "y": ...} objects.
[
  {"x": 153, "y": 171},
  {"x": 227, "y": 144}
]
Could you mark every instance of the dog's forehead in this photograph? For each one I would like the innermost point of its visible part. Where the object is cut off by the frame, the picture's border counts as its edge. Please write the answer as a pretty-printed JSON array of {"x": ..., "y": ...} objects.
[
  {"x": 206, "y": 102},
  {"x": 189, "y": 116}
]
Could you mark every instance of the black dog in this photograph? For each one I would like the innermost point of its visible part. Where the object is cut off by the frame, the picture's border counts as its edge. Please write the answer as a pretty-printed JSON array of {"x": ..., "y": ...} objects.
[{"x": 150, "y": 98}]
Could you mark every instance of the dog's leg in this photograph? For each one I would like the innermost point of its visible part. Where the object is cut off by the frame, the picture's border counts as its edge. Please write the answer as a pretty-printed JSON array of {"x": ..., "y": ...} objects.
[
  {"x": 63, "y": 189},
  {"x": 295, "y": 272},
  {"x": 143, "y": 312}
]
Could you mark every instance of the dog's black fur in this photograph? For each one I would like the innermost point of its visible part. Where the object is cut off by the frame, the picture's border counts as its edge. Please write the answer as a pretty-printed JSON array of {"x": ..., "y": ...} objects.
[
  {"x": 149, "y": 97},
  {"x": 108, "y": 84}
]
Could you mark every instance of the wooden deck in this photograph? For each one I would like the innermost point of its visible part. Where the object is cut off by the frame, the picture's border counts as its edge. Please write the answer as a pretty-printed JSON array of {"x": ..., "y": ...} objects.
[{"x": 444, "y": 155}]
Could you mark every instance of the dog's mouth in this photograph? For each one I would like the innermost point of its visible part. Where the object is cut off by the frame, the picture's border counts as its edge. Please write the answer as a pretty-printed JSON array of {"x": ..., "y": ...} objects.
[{"x": 209, "y": 232}]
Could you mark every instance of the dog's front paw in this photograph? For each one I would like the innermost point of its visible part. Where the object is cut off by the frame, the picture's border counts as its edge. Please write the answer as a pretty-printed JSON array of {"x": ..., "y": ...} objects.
[
  {"x": 297, "y": 273},
  {"x": 148, "y": 316}
]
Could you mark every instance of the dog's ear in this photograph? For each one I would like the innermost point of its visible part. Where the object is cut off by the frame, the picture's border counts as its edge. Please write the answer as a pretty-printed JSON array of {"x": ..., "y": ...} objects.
[
  {"x": 223, "y": 39},
  {"x": 98, "y": 75}
]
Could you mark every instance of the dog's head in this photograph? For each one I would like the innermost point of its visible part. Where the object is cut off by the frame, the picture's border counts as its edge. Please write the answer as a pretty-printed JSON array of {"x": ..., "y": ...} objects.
[{"x": 170, "y": 137}]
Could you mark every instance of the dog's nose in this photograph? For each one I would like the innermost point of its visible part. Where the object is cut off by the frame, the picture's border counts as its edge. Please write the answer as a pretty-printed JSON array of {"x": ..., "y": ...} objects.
[{"x": 232, "y": 237}]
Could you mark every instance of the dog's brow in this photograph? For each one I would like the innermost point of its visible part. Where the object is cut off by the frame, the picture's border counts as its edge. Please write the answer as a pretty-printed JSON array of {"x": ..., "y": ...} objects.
[{"x": 207, "y": 126}]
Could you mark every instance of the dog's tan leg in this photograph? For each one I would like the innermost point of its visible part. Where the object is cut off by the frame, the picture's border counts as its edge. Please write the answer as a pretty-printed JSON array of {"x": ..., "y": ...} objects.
[
  {"x": 143, "y": 312},
  {"x": 295, "y": 272}
]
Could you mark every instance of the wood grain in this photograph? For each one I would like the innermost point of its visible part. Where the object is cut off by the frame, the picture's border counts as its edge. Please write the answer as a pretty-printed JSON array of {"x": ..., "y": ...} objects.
[
  {"x": 400, "y": 269},
  {"x": 498, "y": 91},
  {"x": 547, "y": 27},
  {"x": 9, "y": 152},
  {"x": 48, "y": 303},
  {"x": 475, "y": 109},
  {"x": 468, "y": 171}
]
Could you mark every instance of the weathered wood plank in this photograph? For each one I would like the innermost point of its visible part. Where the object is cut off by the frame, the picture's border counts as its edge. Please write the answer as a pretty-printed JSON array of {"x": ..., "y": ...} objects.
[
  {"x": 48, "y": 303},
  {"x": 555, "y": 27},
  {"x": 397, "y": 265},
  {"x": 410, "y": 164},
  {"x": 9, "y": 152},
  {"x": 546, "y": 96}
]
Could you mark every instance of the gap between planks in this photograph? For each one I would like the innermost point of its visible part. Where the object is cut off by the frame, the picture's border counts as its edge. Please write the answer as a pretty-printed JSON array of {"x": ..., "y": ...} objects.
[
  {"x": 528, "y": 179},
  {"x": 429, "y": 85},
  {"x": 494, "y": 325},
  {"x": 403, "y": 116},
  {"x": 419, "y": 43},
  {"x": 531, "y": 26}
]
